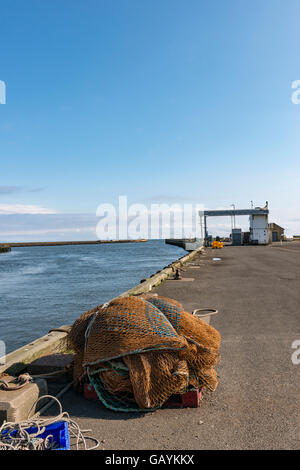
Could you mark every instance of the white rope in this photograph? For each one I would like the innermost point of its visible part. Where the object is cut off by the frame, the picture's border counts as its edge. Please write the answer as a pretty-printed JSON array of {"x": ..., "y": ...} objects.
[
  {"x": 209, "y": 312},
  {"x": 24, "y": 441}
]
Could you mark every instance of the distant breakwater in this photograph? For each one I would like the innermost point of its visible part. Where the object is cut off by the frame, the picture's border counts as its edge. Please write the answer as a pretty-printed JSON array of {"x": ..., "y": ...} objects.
[{"x": 92, "y": 242}]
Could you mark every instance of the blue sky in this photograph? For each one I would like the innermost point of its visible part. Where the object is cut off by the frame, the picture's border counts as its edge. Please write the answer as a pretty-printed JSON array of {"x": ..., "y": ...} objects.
[{"x": 186, "y": 101}]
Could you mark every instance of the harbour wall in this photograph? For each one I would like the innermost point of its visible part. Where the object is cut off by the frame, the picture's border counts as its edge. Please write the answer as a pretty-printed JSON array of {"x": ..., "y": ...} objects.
[{"x": 91, "y": 242}]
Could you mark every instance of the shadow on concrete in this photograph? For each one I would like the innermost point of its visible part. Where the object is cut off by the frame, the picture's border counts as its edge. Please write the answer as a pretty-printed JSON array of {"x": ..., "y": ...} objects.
[{"x": 79, "y": 407}]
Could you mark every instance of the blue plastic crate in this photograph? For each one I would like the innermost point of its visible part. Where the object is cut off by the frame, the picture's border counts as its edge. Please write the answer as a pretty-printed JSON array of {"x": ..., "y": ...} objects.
[{"x": 59, "y": 431}]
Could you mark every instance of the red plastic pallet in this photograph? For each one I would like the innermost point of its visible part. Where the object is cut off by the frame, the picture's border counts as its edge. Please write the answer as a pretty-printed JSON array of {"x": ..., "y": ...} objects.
[
  {"x": 89, "y": 392},
  {"x": 190, "y": 399},
  {"x": 186, "y": 400}
]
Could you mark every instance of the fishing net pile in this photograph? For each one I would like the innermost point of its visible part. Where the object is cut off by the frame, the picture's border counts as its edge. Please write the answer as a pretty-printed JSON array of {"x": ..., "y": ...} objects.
[{"x": 139, "y": 351}]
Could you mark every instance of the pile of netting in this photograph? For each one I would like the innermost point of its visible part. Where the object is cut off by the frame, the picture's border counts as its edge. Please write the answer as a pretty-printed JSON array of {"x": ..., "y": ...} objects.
[{"x": 139, "y": 351}]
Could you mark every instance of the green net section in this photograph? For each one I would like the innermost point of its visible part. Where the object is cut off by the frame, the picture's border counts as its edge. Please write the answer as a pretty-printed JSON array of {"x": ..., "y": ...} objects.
[{"x": 124, "y": 402}]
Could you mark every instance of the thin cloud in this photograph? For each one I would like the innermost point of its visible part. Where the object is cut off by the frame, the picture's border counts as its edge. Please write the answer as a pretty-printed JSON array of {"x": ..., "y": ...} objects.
[
  {"x": 14, "y": 189},
  {"x": 9, "y": 189},
  {"x": 169, "y": 199},
  {"x": 6, "y": 209},
  {"x": 30, "y": 227},
  {"x": 46, "y": 231},
  {"x": 35, "y": 190}
]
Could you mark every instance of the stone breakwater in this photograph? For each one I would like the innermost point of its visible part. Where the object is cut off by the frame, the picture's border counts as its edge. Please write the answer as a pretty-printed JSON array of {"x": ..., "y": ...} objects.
[
  {"x": 5, "y": 248},
  {"x": 90, "y": 242}
]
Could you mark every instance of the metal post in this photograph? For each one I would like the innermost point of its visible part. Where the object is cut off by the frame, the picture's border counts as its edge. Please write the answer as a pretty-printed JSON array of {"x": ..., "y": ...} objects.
[
  {"x": 233, "y": 215},
  {"x": 205, "y": 232}
]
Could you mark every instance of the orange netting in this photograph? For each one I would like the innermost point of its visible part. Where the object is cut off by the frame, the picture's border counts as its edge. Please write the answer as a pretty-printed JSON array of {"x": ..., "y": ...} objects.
[{"x": 146, "y": 346}]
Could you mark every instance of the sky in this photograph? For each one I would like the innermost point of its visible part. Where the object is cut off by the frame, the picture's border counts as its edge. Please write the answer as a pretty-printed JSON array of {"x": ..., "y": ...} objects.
[{"x": 162, "y": 101}]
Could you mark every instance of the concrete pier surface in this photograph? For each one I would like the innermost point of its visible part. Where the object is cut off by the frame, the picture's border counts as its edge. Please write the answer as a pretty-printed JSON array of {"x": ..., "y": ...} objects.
[{"x": 257, "y": 402}]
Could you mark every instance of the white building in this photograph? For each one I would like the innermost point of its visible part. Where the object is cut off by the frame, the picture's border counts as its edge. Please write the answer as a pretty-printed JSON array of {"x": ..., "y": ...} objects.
[{"x": 259, "y": 233}]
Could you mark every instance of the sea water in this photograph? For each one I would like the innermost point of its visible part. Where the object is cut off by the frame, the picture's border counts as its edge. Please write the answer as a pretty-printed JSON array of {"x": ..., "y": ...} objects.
[{"x": 50, "y": 286}]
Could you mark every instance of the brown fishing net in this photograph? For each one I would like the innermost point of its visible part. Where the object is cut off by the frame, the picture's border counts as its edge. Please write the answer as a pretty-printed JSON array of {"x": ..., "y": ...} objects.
[
  {"x": 76, "y": 341},
  {"x": 141, "y": 350},
  {"x": 155, "y": 376}
]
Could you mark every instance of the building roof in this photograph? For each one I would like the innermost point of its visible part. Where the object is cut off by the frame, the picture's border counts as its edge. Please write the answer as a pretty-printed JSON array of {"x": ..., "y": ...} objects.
[
  {"x": 222, "y": 213},
  {"x": 274, "y": 226}
]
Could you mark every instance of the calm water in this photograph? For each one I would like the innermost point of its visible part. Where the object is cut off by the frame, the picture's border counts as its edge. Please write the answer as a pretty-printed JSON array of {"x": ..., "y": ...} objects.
[{"x": 46, "y": 287}]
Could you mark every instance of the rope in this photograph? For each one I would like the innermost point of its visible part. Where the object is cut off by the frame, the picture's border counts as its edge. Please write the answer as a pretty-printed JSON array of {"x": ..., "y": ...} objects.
[
  {"x": 50, "y": 374},
  {"x": 61, "y": 330},
  {"x": 50, "y": 402},
  {"x": 210, "y": 311},
  {"x": 87, "y": 331},
  {"x": 24, "y": 379},
  {"x": 25, "y": 441},
  {"x": 21, "y": 381}
]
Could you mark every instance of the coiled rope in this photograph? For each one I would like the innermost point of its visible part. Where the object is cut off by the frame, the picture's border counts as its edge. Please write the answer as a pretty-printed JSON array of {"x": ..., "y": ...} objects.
[
  {"x": 209, "y": 312},
  {"x": 25, "y": 441}
]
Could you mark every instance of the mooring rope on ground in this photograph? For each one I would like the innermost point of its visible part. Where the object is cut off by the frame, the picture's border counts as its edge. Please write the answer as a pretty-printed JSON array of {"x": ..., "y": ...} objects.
[
  {"x": 20, "y": 382},
  {"x": 24, "y": 379}
]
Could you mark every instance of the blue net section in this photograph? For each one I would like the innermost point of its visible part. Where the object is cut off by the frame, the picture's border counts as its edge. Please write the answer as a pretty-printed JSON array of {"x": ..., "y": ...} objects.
[{"x": 171, "y": 310}]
